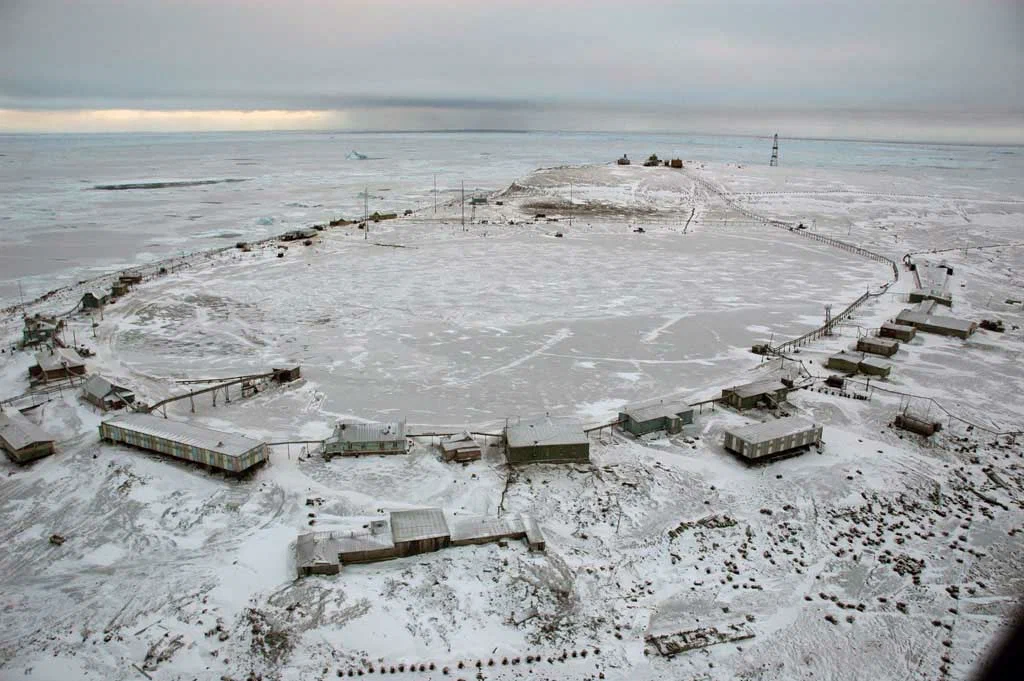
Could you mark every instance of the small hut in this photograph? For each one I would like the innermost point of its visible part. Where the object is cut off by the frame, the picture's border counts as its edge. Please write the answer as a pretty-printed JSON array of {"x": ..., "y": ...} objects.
[
  {"x": 90, "y": 301},
  {"x": 844, "y": 361},
  {"x": 886, "y": 347},
  {"x": 460, "y": 448},
  {"x": 900, "y": 332},
  {"x": 670, "y": 417},
  {"x": 624, "y": 161},
  {"x": 874, "y": 367},
  {"x": 105, "y": 394},
  {"x": 419, "y": 531}
]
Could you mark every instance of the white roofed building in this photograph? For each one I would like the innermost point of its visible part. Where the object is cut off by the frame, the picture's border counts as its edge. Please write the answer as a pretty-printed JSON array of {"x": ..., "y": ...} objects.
[{"x": 352, "y": 438}]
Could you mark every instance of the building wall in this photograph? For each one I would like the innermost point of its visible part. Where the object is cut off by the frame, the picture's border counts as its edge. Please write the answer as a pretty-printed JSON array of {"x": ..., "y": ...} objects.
[
  {"x": 866, "y": 345},
  {"x": 367, "y": 556},
  {"x": 897, "y": 334},
  {"x": 412, "y": 548},
  {"x": 579, "y": 453},
  {"x": 185, "y": 452},
  {"x": 359, "y": 448},
  {"x": 643, "y": 427},
  {"x": 30, "y": 453},
  {"x": 864, "y": 368},
  {"x": 841, "y": 365},
  {"x": 769, "y": 448}
]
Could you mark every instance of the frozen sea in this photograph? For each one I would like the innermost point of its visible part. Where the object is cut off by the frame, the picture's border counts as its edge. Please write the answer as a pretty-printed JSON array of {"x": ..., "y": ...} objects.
[{"x": 69, "y": 210}]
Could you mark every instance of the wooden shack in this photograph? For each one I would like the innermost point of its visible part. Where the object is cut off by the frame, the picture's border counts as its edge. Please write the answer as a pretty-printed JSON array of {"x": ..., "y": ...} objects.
[
  {"x": 669, "y": 417},
  {"x": 901, "y": 332},
  {"x": 54, "y": 364},
  {"x": 886, "y": 347},
  {"x": 419, "y": 531},
  {"x": 90, "y": 301},
  {"x": 774, "y": 439},
  {"x": 105, "y": 394},
  {"x": 541, "y": 440},
  {"x": 768, "y": 392},
  {"x": 461, "y": 448},
  {"x": 23, "y": 440},
  {"x": 287, "y": 375},
  {"x": 846, "y": 362},
  {"x": 212, "y": 448}
]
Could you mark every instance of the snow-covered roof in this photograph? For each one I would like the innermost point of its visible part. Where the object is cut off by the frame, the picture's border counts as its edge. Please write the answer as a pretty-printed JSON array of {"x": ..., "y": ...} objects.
[
  {"x": 359, "y": 542},
  {"x": 227, "y": 444},
  {"x": 18, "y": 432},
  {"x": 846, "y": 357},
  {"x": 421, "y": 523},
  {"x": 769, "y": 385},
  {"x": 544, "y": 431},
  {"x": 353, "y": 431},
  {"x": 876, "y": 363},
  {"x": 58, "y": 358},
  {"x": 770, "y": 430},
  {"x": 880, "y": 341},
  {"x": 650, "y": 412},
  {"x": 316, "y": 548},
  {"x": 897, "y": 327},
  {"x": 939, "y": 321},
  {"x": 98, "y": 386},
  {"x": 455, "y": 443},
  {"x": 468, "y": 528}
]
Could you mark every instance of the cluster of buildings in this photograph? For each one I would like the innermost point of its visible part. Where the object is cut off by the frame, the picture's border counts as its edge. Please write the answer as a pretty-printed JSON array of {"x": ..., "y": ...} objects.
[{"x": 406, "y": 533}]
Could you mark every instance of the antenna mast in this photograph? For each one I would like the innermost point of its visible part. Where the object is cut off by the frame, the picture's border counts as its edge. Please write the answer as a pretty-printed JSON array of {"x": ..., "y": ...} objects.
[{"x": 775, "y": 151}]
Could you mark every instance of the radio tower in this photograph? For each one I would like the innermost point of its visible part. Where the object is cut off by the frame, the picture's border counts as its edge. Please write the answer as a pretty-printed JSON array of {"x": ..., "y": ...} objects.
[
  {"x": 775, "y": 152},
  {"x": 828, "y": 320}
]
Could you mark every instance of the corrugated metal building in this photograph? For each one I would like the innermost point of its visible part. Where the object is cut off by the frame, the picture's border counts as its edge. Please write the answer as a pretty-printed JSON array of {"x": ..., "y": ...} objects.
[
  {"x": 476, "y": 530},
  {"x": 352, "y": 438},
  {"x": 750, "y": 395},
  {"x": 461, "y": 448},
  {"x": 763, "y": 441},
  {"x": 541, "y": 440},
  {"x": 224, "y": 451},
  {"x": 23, "y": 440},
  {"x": 419, "y": 531},
  {"x": 900, "y": 332},
  {"x": 370, "y": 543},
  {"x": 886, "y": 347},
  {"x": 106, "y": 395},
  {"x": 54, "y": 364},
  {"x": 670, "y": 417}
]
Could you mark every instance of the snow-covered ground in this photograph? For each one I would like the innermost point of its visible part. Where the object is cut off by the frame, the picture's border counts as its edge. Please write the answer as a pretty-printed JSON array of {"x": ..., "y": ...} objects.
[{"x": 913, "y": 547}]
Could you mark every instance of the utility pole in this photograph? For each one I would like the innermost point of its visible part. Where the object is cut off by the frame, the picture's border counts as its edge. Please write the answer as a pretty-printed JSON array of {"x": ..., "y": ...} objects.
[
  {"x": 775, "y": 151},
  {"x": 571, "y": 205},
  {"x": 463, "y": 205},
  {"x": 366, "y": 213},
  {"x": 435, "y": 193}
]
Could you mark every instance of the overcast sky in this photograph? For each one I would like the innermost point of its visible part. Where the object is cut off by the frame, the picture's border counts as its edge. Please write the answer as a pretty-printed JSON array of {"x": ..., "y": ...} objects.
[{"x": 573, "y": 64}]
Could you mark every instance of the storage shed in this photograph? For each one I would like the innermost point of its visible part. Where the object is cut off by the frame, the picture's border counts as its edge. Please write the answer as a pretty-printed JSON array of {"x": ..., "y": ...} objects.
[
  {"x": 670, "y": 417},
  {"x": 352, "y": 438},
  {"x": 90, "y": 301},
  {"x": 288, "y": 375},
  {"x": 419, "y": 531},
  {"x": 750, "y": 395},
  {"x": 886, "y": 347},
  {"x": 765, "y": 441},
  {"x": 23, "y": 440},
  {"x": 106, "y": 395},
  {"x": 213, "y": 448},
  {"x": 900, "y": 332},
  {"x": 540, "y": 440},
  {"x": 461, "y": 448},
  {"x": 847, "y": 362},
  {"x": 54, "y": 364},
  {"x": 874, "y": 367},
  {"x": 371, "y": 542}
]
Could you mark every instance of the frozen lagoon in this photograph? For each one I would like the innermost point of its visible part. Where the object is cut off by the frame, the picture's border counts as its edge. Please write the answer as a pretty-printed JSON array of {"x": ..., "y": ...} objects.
[{"x": 462, "y": 328}]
